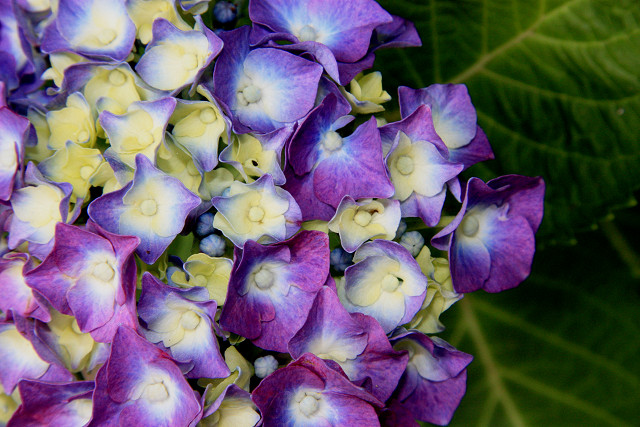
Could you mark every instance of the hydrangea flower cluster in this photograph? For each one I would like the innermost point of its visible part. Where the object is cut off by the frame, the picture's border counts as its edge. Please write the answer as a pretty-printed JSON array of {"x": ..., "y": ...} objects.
[{"x": 207, "y": 225}]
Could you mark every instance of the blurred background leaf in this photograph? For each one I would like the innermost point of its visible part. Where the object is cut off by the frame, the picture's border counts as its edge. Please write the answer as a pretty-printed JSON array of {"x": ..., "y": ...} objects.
[
  {"x": 556, "y": 84},
  {"x": 557, "y": 87}
]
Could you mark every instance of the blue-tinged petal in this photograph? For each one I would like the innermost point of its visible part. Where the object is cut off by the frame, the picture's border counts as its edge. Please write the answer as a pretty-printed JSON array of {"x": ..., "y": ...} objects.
[
  {"x": 138, "y": 131},
  {"x": 345, "y": 28},
  {"x": 263, "y": 88},
  {"x": 434, "y": 382},
  {"x": 428, "y": 209},
  {"x": 176, "y": 58},
  {"x": 329, "y": 331},
  {"x": 454, "y": 119},
  {"x": 93, "y": 28},
  {"x": 301, "y": 188},
  {"x": 16, "y": 294},
  {"x": 182, "y": 320},
  {"x": 305, "y": 149},
  {"x": 153, "y": 207},
  {"x": 496, "y": 223},
  {"x": 398, "y": 33}
]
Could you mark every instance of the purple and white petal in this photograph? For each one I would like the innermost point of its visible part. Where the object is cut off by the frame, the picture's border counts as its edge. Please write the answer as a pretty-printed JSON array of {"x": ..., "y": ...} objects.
[
  {"x": 345, "y": 28},
  {"x": 491, "y": 241},
  {"x": 95, "y": 28},
  {"x": 454, "y": 119},
  {"x": 272, "y": 288},
  {"x": 176, "y": 58},
  {"x": 263, "y": 88},
  {"x": 45, "y": 403},
  {"x": 386, "y": 283},
  {"x": 90, "y": 274},
  {"x": 13, "y": 130},
  {"x": 308, "y": 392},
  {"x": 153, "y": 207},
  {"x": 183, "y": 321},
  {"x": 434, "y": 382},
  {"x": 140, "y": 385}
]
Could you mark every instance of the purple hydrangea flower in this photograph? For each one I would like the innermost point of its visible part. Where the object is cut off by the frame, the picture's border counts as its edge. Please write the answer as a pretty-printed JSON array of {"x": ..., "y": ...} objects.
[
  {"x": 264, "y": 89},
  {"x": 141, "y": 385},
  {"x": 433, "y": 384},
  {"x": 153, "y": 207},
  {"x": 355, "y": 342},
  {"x": 308, "y": 392},
  {"x": 37, "y": 208},
  {"x": 13, "y": 131},
  {"x": 182, "y": 319},
  {"x": 16, "y": 294},
  {"x": 64, "y": 404},
  {"x": 333, "y": 31},
  {"x": 17, "y": 64},
  {"x": 95, "y": 28},
  {"x": 418, "y": 166},
  {"x": 24, "y": 356},
  {"x": 385, "y": 283},
  {"x": 90, "y": 274},
  {"x": 325, "y": 167},
  {"x": 176, "y": 58},
  {"x": 491, "y": 241},
  {"x": 272, "y": 288},
  {"x": 258, "y": 211},
  {"x": 454, "y": 120}
]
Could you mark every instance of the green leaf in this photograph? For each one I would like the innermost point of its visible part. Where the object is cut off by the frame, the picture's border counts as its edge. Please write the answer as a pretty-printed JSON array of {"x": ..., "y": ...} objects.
[
  {"x": 557, "y": 89},
  {"x": 560, "y": 350}
]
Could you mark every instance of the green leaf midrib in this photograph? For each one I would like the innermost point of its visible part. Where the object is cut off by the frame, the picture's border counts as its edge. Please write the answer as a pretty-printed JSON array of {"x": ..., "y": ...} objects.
[{"x": 486, "y": 55}]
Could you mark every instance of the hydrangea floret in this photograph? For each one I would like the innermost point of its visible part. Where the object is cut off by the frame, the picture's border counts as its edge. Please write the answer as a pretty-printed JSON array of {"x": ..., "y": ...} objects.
[{"x": 207, "y": 223}]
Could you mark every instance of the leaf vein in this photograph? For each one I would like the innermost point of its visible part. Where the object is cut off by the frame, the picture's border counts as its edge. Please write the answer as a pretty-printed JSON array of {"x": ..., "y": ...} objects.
[
  {"x": 553, "y": 94},
  {"x": 562, "y": 396},
  {"x": 557, "y": 341},
  {"x": 486, "y": 359},
  {"x": 483, "y": 60}
]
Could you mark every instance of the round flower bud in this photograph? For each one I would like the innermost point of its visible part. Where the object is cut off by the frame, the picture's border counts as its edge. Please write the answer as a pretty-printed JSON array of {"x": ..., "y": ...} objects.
[
  {"x": 204, "y": 225},
  {"x": 265, "y": 366},
  {"x": 213, "y": 245},
  {"x": 413, "y": 242}
]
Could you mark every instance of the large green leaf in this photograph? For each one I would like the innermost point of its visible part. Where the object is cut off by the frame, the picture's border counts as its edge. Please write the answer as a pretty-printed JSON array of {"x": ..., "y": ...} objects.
[
  {"x": 557, "y": 87},
  {"x": 560, "y": 350}
]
